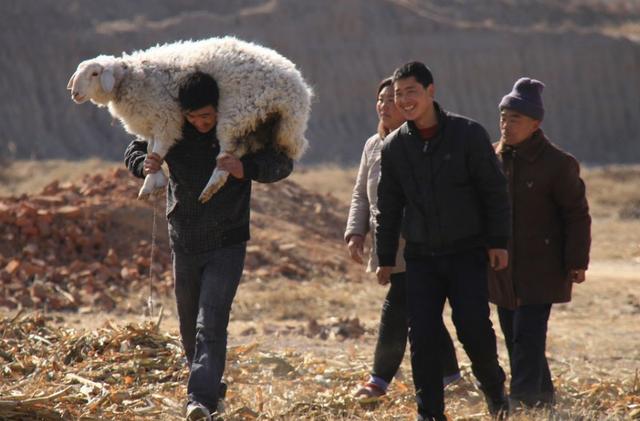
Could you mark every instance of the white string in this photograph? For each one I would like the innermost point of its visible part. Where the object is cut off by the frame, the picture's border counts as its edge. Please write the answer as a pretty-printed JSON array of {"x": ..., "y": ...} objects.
[{"x": 150, "y": 300}]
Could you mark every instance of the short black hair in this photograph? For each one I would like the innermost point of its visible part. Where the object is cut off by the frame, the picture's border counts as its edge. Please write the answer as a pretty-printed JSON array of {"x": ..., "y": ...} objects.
[
  {"x": 418, "y": 70},
  {"x": 197, "y": 91}
]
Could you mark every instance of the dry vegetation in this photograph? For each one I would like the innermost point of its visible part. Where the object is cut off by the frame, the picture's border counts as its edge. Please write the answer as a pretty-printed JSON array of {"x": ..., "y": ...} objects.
[{"x": 299, "y": 344}]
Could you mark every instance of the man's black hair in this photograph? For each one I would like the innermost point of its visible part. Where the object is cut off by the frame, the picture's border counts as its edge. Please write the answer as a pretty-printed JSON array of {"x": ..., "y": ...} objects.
[
  {"x": 418, "y": 70},
  {"x": 197, "y": 91}
]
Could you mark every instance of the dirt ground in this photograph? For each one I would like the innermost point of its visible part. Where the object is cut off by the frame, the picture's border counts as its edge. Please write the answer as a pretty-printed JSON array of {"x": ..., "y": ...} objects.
[{"x": 324, "y": 324}]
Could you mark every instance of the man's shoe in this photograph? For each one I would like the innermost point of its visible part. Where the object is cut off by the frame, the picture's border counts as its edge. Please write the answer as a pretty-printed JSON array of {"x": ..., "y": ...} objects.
[
  {"x": 497, "y": 403},
  {"x": 197, "y": 412},
  {"x": 370, "y": 390},
  {"x": 222, "y": 393},
  {"x": 441, "y": 418},
  {"x": 450, "y": 379}
]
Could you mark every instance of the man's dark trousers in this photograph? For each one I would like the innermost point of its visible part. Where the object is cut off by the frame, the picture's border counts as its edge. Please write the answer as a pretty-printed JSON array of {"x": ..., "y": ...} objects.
[
  {"x": 392, "y": 337},
  {"x": 462, "y": 278},
  {"x": 205, "y": 285},
  {"x": 525, "y": 334}
]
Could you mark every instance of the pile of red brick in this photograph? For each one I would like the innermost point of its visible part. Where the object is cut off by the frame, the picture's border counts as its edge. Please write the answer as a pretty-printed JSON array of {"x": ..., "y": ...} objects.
[
  {"x": 57, "y": 251},
  {"x": 87, "y": 245}
]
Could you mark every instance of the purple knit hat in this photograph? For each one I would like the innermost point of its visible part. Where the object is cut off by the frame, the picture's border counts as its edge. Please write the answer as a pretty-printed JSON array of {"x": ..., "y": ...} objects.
[{"x": 525, "y": 98}]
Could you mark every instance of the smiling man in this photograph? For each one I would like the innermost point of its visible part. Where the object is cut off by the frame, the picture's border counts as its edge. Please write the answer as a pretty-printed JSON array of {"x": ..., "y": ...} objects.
[
  {"x": 439, "y": 172},
  {"x": 550, "y": 244}
]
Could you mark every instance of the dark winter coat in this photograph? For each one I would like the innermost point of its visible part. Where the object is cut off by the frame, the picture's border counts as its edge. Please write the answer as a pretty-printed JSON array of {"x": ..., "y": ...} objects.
[
  {"x": 551, "y": 224},
  {"x": 196, "y": 227},
  {"x": 450, "y": 190}
]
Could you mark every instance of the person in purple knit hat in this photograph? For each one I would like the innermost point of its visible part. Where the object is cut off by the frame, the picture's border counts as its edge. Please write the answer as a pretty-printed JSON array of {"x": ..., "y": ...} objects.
[{"x": 549, "y": 247}]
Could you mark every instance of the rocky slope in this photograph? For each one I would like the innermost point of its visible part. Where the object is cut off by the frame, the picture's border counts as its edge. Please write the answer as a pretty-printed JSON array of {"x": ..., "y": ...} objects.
[{"x": 583, "y": 49}]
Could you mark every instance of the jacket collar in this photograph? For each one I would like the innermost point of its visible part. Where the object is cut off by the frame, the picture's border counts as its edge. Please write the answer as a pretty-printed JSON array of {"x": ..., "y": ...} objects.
[
  {"x": 441, "y": 115},
  {"x": 530, "y": 149},
  {"x": 190, "y": 133}
]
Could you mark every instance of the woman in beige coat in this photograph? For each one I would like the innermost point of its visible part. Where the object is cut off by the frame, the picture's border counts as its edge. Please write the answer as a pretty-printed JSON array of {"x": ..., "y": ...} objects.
[{"x": 392, "y": 335}]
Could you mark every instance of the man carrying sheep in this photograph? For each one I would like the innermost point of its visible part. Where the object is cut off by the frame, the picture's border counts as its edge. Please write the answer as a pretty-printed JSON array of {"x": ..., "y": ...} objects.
[{"x": 208, "y": 240}]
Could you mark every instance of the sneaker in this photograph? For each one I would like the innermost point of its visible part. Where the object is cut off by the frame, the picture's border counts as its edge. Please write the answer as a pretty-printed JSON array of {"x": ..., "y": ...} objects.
[
  {"x": 441, "y": 418},
  {"x": 222, "y": 393},
  {"x": 197, "y": 412},
  {"x": 451, "y": 378},
  {"x": 370, "y": 390}
]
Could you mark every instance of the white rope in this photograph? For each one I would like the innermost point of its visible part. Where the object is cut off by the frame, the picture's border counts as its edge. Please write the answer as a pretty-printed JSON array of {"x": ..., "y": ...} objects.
[{"x": 150, "y": 299}]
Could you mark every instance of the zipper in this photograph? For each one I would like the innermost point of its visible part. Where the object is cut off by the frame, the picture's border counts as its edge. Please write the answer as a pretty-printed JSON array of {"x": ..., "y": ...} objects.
[
  {"x": 435, "y": 207},
  {"x": 513, "y": 224}
]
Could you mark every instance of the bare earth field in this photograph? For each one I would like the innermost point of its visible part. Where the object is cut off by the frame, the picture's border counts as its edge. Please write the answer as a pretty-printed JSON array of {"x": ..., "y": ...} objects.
[{"x": 304, "y": 322}]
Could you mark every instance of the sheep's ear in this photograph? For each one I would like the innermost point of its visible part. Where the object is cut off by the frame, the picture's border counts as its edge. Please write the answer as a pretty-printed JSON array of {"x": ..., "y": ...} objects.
[
  {"x": 73, "y": 77},
  {"x": 107, "y": 80}
]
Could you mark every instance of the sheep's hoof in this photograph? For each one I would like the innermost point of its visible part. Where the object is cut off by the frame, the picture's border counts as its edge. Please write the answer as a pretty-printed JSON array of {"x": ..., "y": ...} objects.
[
  {"x": 209, "y": 191},
  {"x": 146, "y": 195}
]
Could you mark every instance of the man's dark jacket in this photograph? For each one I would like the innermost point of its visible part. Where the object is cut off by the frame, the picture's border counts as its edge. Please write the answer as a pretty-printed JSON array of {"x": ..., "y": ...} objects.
[
  {"x": 448, "y": 194},
  {"x": 195, "y": 227},
  {"x": 551, "y": 224}
]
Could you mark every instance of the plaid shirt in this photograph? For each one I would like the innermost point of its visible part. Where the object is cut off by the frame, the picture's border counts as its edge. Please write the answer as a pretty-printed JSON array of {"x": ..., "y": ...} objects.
[{"x": 223, "y": 221}]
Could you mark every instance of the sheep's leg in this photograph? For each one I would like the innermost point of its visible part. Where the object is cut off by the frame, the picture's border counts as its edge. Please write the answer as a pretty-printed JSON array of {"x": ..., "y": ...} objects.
[
  {"x": 158, "y": 180},
  {"x": 217, "y": 180},
  {"x": 152, "y": 183}
]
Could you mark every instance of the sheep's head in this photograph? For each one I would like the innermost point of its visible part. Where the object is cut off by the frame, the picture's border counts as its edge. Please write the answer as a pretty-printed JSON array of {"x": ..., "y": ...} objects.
[{"x": 95, "y": 79}]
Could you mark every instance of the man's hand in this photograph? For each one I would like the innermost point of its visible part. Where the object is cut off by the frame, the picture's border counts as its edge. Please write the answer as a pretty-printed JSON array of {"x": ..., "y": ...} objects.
[
  {"x": 577, "y": 275},
  {"x": 384, "y": 274},
  {"x": 152, "y": 163},
  {"x": 232, "y": 165},
  {"x": 356, "y": 248},
  {"x": 498, "y": 259}
]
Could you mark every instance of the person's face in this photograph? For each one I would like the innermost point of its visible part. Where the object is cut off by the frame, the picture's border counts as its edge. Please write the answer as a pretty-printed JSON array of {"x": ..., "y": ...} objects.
[
  {"x": 412, "y": 99},
  {"x": 203, "y": 119},
  {"x": 516, "y": 127},
  {"x": 388, "y": 113}
]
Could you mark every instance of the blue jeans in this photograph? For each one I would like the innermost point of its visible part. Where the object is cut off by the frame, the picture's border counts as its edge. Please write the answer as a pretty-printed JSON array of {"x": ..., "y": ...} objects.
[
  {"x": 205, "y": 285},
  {"x": 525, "y": 334},
  {"x": 462, "y": 279}
]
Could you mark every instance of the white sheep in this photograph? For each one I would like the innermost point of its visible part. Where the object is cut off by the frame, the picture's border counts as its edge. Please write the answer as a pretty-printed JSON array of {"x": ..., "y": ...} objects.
[{"x": 257, "y": 87}]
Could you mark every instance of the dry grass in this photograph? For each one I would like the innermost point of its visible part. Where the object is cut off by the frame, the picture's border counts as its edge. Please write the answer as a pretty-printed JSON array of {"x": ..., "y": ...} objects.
[
  {"x": 290, "y": 300},
  {"x": 327, "y": 179},
  {"x": 612, "y": 189},
  {"x": 279, "y": 369}
]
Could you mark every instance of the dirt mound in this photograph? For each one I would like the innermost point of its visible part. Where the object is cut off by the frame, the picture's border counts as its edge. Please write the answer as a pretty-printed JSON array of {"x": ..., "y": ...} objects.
[{"x": 89, "y": 244}]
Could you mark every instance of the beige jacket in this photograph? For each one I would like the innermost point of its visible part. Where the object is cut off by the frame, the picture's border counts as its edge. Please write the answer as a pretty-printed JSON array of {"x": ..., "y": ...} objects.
[{"x": 364, "y": 209}]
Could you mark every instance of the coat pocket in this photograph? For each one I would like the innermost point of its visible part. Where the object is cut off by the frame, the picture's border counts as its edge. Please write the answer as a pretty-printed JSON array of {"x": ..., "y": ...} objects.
[{"x": 546, "y": 251}]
